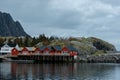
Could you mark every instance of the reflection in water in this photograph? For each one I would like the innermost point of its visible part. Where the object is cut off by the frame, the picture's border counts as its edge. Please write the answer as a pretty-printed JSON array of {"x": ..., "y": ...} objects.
[
  {"x": 37, "y": 71},
  {"x": 61, "y": 71}
]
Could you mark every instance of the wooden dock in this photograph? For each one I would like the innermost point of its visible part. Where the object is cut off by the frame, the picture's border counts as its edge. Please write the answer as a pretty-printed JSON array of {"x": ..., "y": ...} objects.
[
  {"x": 47, "y": 58},
  {"x": 39, "y": 58}
]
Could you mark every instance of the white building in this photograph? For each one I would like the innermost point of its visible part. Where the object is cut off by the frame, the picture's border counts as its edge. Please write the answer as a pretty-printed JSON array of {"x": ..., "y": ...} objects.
[{"x": 6, "y": 48}]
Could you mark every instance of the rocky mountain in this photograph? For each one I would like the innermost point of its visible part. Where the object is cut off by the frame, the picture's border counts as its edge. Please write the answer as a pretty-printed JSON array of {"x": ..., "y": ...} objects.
[{"x": 9, "y": 27}]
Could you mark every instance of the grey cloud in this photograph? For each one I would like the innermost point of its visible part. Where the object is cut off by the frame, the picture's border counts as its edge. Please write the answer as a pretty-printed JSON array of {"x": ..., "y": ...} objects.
[{"x": 112, "y": 2}]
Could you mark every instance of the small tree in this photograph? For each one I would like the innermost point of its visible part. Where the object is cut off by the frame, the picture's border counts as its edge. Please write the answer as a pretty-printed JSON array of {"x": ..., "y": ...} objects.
[{"x": 1, "y": 40}]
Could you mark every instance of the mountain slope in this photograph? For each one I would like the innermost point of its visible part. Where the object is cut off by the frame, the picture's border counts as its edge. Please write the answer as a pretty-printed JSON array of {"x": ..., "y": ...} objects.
[{"x": 9, "y": 27}]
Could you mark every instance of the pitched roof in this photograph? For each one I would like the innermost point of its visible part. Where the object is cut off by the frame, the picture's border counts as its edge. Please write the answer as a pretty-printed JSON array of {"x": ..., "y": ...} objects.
[
  {"x": 18, "y": 48},
  {"x": 8, "y": 45},
  {"x": 43, "y": 47},
  {"x": 71, "y": 48},
  {"x": 57, "y": 48},
  {"x": 5, "y": 46}
]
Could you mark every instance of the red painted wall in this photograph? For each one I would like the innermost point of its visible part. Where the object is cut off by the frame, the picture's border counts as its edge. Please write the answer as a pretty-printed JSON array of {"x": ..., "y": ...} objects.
[
  {"x": 14, "y": 51},
  {"x": 65, "y": 49},
  {"x": 37, "y": 50},
  {"x": 72, "y": 53},
  {"x": 46, "y": 50},
  {"x": 25, "y": 50}
]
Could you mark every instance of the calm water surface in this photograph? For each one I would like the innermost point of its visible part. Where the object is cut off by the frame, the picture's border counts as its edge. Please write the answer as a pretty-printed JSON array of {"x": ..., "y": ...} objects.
[{"x": 60, "y": 71}]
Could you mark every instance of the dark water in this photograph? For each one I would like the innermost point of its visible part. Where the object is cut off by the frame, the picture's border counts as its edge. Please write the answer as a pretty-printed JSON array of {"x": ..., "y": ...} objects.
[{"x": 61, "y": 71}]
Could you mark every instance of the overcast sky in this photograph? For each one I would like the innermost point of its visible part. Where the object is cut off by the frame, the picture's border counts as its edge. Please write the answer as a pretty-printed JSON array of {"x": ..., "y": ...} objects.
[{"x": 64, "y": 18}]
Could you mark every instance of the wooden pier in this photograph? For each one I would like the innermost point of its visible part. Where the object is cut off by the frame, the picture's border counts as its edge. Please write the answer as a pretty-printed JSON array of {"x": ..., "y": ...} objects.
[
  {"x": 45, "y": 58},
  {"x": 38, "y": 58}
]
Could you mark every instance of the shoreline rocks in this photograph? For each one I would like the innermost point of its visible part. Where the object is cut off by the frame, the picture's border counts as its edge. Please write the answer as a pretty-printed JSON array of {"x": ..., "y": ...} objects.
[{"x": 101, "y": 59}]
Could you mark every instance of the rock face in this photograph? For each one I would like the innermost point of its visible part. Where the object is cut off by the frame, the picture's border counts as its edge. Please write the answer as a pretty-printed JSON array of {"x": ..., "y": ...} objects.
[
  {"x": 9, "y": 27},
  {"x": 103, "y": 59}
]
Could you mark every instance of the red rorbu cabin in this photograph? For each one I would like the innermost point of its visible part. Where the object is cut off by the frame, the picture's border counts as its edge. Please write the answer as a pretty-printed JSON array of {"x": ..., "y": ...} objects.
[
  {"x": 57, "y": 49},
  {"x": 69, "y": 50},
  {"x": 36, "y": 51},
  {"x": 72, "y": 51},
  {"x": 15, "y": 52},
  {"x": 52, "y": 50},
  {"x": 65, "y": 50},
  {"x": 46, "y": 50},
  {"x": 25, "y": 51}
]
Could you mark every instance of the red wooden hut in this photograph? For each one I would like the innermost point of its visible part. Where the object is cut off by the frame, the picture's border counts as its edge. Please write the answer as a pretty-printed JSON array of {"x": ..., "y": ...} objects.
[
  {"x": 37, "y": 50},
  {"x": 14, "y": 52},
  {"x": 47, "y": 50},
  {"x": 25, "y": 51},
  {"x": 65, "y": 50},
  {"x": 69, "y": 50},
  {"x": 57, "y": 49},
  {"x": 72, "y": 51}
]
